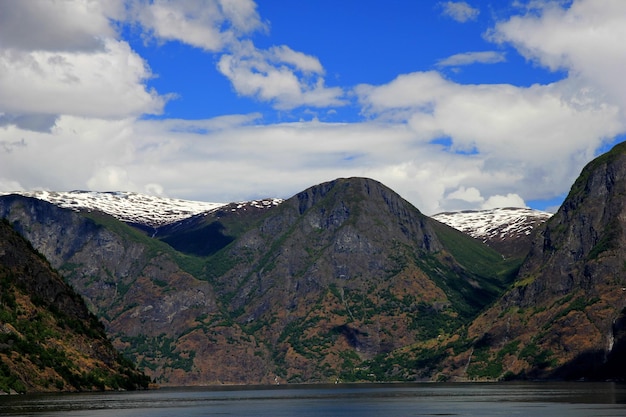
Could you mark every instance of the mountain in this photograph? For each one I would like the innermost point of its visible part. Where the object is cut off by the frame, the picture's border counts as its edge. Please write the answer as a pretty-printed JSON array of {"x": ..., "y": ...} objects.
[
  {"x": 126, "y": 206},
  {"x": 48, "y": 339},
  {"x": 564, "y": 316},
  {"x": 321, "y": 287},
  {"x": 348, "y": 270},
  {"x": 143, "y": 291},
  {"x": 507, "y": 230}
]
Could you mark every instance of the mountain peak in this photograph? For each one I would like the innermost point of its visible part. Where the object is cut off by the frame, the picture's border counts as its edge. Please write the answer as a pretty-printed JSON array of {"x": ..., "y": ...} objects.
[{"x": 508, "y": 230}]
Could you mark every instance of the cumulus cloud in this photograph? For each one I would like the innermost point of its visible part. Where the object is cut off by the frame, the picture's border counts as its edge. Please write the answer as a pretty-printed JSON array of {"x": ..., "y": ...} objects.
[
  {"x": 279, "y": 75},
  {"x": 284, "y": 77},
  {"x": 468, "y": 58},
  {"x": 110, "y": 177},
  {"x": 459, "y": 11},
  {"x": 514, "y": 132},
  {"x": 56, "y": 26},
  {"x": 69, "y": 62},
  {"x": 584, "y": 39},
  {"x": 106, "y": 83},
  {"x": 211, "y": 25},
  {"x": 9, "y": 146},
  {"x": 471, "y": 198}
]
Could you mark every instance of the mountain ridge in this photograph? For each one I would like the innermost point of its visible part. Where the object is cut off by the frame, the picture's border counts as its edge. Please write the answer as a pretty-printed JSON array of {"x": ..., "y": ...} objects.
[
  {"x": 347, "y": 281},
  {"x": 137, "y": 208},
  {"x": 305, "y": 291},
  {"x": 153, "y": 212}
]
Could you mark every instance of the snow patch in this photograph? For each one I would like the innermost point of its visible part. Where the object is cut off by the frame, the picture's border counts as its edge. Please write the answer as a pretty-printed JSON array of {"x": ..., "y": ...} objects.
[
  {"x": 133, "y": 207},
  {"x": 496, "y": 223}
]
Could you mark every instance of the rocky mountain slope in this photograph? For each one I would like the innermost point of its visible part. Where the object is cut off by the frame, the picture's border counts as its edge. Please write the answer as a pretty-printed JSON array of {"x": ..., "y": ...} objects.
[
  {"x": 348, "y": 270},
  {"x": 507, "y": 230},
  {"x": 318, "y": 288},
  {"x": 140, "y": 288},
  {"x": 48, "y": 339},
  {"x": 565, "y": 315}
]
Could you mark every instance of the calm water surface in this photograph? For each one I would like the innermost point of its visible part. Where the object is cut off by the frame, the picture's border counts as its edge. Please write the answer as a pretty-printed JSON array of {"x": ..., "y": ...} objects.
[{"x": 502, "y": 399}]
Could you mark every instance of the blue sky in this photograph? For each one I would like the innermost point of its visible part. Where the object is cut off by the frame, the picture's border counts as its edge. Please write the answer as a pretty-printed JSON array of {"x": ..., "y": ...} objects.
[{"x": 453, "y": 104}]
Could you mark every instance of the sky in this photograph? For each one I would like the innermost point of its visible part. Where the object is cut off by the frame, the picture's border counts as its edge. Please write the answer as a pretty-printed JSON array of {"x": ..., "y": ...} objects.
[{"x": 455, "y": 105}]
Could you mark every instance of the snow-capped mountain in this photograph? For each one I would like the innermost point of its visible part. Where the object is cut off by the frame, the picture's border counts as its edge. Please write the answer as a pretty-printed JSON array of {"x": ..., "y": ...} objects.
[
  {"x": 133, "y": 207},
  {"x": 497, "y": 227}
]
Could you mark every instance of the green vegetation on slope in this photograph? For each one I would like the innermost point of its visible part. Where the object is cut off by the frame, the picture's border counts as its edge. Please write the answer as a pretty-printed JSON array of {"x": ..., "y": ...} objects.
[{"x": 48, "y": 340}]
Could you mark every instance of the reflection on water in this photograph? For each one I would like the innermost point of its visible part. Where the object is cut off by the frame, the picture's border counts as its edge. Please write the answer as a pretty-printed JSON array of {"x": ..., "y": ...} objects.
[{"x": 479, "y": 399}]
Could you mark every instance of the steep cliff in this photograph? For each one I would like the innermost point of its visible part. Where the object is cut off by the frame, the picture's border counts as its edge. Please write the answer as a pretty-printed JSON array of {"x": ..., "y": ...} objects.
[
  {"x": 564, "y": 315},
  {"x": 48, "y": 339}
]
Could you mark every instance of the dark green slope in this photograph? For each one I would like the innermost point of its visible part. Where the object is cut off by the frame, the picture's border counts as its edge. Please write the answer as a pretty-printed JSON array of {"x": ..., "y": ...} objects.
[{"x": 48, "y": 339}]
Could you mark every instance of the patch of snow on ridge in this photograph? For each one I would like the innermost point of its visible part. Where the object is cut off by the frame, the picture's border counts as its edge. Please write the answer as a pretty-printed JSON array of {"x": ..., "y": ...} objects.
[
  {"x": 496, "y": 223},
  {"x": 125, "y": 205},
  {"x": 261, "y": 204}
]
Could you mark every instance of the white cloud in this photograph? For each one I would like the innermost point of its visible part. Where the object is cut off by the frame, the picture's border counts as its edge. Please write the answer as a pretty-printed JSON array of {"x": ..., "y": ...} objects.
[
  {"x": 440, "y": 144},
  {"x": 211, "y": 25},
  {"x": 515, "y": 133},
  {"x": 509, "y": 200},
  {"x": 284, "y": 77},
  {"x": 64, "y": 58},
  {"x": 471, "y": 198},
  {"x": 586, "y": 40},
  {"x": 468, "y": 58},
  {"x": 110, "y": 178},
  {"x": 56, "y": 26},
  {"x": 459, "y": 11},
  {"x": 471, "y": 195},
  {"x": 300, "y": 61},
  {"x": 279, "y": 75},
  {"x": 105, "y": 83}
]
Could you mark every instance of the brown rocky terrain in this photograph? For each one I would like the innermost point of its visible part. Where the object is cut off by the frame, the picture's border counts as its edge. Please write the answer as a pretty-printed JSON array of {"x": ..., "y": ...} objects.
[
  {"x": 49, "y": 341},
  {"x": 564, "y": 315}
]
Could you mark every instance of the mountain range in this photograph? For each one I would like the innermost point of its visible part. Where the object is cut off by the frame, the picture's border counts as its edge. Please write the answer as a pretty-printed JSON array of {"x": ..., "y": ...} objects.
[{"x": 346, "y": 281}]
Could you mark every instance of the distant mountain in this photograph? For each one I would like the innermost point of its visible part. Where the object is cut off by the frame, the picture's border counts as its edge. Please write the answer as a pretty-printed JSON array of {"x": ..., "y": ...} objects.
[
  {"x": 565, "y": 315},
  {"x": 321, "y": 287},
  {"x": 136, "y": 208},
  {"x": 507, "y": 230},
  {"x": 48, "y": 339}
]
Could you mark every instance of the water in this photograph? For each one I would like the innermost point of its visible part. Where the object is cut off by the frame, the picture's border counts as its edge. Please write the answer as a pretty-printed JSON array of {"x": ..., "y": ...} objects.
[{"x": 502, "y": 399}]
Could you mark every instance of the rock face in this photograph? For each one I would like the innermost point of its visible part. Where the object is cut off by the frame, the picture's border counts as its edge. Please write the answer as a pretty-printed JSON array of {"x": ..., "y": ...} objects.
[
  {"x": 564, "y": 316},
  {"x": 322, "y": 287},
  {"x": 48, "y": 339}
]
